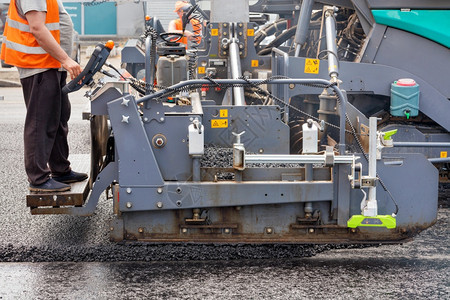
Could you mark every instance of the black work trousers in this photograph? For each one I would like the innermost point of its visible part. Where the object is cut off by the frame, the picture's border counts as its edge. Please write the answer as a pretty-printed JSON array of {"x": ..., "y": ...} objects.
[{"x": 45, "y": 133}]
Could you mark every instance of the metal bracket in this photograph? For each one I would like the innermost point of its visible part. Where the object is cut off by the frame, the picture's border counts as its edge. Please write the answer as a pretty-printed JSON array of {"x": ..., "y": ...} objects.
[
  {"x": 356, "y": 178},
  {"x": 369, "y": 181},
  {"x": 329, "y": 156},
  {"x": 238, "y": 152}
]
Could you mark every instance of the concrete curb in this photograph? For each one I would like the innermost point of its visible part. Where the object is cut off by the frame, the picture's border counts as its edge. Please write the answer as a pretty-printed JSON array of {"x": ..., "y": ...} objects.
[{"x": 9, "y": 83}]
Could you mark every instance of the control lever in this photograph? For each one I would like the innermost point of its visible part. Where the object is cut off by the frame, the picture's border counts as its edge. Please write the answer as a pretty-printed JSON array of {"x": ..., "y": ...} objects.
[{"x": 95, "y": 63}]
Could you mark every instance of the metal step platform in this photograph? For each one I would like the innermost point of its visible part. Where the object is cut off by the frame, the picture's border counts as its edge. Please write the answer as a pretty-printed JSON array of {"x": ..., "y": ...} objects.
[{"x": 49, "y": 203}]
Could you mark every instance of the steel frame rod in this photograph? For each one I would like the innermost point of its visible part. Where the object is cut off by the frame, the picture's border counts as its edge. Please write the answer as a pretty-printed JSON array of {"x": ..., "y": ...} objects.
[
  {"x": 295, "y": 159},
  {"x": 421, "y": 144},
  {"x": 439, "y": 160}
]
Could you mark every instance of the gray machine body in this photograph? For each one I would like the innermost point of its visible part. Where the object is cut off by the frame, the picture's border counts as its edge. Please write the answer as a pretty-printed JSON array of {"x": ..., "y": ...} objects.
[{"x": 161, "y": 193}]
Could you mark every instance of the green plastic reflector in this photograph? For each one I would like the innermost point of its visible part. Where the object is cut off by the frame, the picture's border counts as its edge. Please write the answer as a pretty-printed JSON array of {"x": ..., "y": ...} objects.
[
  {"x": 388, "y": 134},
  {"x": 378, "y": 221}
]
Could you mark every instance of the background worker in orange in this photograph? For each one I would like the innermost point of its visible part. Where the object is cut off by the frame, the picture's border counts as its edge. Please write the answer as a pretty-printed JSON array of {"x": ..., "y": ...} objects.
[
  {"x": 182, "y": 7},
  {"x": 37, "y": 40}
]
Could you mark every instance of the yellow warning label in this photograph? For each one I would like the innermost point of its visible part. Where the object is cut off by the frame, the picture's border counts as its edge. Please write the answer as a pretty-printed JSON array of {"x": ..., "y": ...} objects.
[
  {"x": 312, "y": 66},
  {"x": 255, "y": 63},
  {"x": 444, "y": 154},
  {"x": 250, "y": 32},
  {"x": 224, "y": 113},
  {"x": 219, "y": 123},
  {"x": 201, "y": 70},
  {"x": 214, "y": 32}
]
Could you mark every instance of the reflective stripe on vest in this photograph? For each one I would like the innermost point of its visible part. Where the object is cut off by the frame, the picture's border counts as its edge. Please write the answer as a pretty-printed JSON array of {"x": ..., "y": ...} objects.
[
  {"x": 20, "y": 48},
  {"x": 25, "y": 28}
]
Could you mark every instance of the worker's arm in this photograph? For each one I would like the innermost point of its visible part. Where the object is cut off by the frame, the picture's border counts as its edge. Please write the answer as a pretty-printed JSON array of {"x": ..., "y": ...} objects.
[
  {"x": 173, "y": 28},
  {"x": 36, "y": 20}
]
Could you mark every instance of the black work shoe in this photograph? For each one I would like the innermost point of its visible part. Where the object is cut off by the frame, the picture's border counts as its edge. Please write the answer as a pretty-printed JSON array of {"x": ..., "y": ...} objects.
[
  {"x": 70, "y": 177},
  {"x": 50, "y": 186}
]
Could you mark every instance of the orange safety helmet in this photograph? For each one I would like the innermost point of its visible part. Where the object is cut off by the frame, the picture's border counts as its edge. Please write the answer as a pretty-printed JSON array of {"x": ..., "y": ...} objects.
[{"x": 180, "y": 4}]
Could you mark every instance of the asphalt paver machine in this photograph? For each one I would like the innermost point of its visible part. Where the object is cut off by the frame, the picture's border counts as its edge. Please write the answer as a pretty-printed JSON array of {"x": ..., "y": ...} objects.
[{"x": 328, "y": 124}]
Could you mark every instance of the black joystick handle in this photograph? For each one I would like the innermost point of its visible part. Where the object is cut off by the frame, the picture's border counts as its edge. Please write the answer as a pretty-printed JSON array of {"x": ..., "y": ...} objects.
[{"x": 95, "y": 63}]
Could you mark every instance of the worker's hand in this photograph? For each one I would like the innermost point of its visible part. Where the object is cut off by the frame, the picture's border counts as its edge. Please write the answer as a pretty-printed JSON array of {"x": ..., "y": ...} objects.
[
  {"x": 188, "y": 34},
  {"x": 72, "y": 67}
]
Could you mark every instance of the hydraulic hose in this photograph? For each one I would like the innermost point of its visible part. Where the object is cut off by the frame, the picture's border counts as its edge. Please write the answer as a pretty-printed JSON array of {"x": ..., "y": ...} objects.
[{"x": 270, "y": 29}]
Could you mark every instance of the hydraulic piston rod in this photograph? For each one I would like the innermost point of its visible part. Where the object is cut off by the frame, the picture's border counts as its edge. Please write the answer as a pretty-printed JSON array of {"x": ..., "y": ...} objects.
[
  {"x": 302, "y": 30},
  {"x": 330, "y": 27},
  {"x": 236, "y": 72}
]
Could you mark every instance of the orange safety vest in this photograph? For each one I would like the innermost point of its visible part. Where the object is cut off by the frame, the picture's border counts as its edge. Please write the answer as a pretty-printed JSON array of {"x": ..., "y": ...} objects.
[
  {"x": 195, "y": 24},
  {"x": 20, "y": 48}
]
